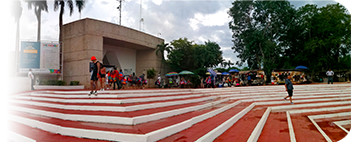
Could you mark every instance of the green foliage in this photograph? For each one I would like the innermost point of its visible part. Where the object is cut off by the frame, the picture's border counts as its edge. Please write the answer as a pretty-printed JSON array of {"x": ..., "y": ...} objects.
[
  {"x": 52, "y": 82},
  {"x": 273, "y": 34},
  {"x": 151, "y": 73},
  {"x": 74, "y": 83},
  {"x": 185, "y": 55}
]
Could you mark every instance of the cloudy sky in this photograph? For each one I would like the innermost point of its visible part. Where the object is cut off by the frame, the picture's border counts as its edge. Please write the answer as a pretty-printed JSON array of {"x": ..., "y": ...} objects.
[{"x": 198, "y": 20}]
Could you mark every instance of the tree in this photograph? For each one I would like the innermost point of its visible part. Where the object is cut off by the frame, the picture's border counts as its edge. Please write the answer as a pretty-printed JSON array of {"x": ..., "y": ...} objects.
[
  {"x": 38, "y": 7},
  {"x": 161, "y": 48},
  {"x": 329, "y": 40},
  {"x": 185, "y": 55},
  {"x": 16, "y": 13},
  {"x": 258, "y": 32},
  {"x": 60, "y": 4}
]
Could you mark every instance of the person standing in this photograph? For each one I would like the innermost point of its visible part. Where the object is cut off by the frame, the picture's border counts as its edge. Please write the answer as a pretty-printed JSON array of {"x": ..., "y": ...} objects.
[
  {"x": 94, "y": 77},
  {"x": 31, "y": 76},
  {"x": 159, "y": 81},
  {"x": 289, "y": 88},
  {"x": 102, "y": 77},
  {"x": 330, "y": 75}
]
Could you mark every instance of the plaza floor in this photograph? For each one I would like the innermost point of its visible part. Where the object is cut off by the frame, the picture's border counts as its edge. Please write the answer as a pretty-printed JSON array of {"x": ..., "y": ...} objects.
[{"x": 320, "y": 113}]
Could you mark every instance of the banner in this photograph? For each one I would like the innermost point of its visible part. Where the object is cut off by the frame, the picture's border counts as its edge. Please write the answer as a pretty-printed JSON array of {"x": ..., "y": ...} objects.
[
  {"x": 42, "y": 57},
  {"x": 30, "y": 54},
  {"x": 49, "y": 57}
]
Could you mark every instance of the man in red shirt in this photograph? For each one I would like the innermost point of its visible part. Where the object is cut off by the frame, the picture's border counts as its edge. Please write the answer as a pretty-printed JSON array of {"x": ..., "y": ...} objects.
[{"x": 115, "y": 77}]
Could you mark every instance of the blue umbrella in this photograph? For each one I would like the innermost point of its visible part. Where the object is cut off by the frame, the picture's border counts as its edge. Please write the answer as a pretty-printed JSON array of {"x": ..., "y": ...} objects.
[
  {"x": 233, "y": 70},
  {"x": 301, "y": 67},
  {"x": 225, "y": 73},
  {"x": 212, "y": 72}
]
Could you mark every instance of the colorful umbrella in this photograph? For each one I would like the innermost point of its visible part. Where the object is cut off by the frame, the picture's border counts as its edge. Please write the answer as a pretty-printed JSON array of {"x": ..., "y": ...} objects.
[
  {"x": 172, "y": 74},
  {"x": 225, "y": 73},
  {"x": 212, "y": 72},
  {"x": 185, "y": 72},
  {"x": 233, "y": 70},
  {"x": 301, "y": 67}
]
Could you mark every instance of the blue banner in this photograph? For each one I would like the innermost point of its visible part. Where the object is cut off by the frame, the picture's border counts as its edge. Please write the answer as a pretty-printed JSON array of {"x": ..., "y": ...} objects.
[{"x": 30, "y": 55}]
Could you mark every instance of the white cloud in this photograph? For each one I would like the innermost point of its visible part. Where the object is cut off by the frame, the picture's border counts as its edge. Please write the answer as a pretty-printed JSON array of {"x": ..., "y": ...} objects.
[
  {"x": 219, "y": 18},
  {"x": 157, "y": 2}
]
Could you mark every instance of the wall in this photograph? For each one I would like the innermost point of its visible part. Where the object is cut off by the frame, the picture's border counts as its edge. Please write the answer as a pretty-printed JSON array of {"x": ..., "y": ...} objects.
[
  {"x": 126, "y": 58},
  {"x": 18, "y": 84},
  {"x": 85, "y": 38}
]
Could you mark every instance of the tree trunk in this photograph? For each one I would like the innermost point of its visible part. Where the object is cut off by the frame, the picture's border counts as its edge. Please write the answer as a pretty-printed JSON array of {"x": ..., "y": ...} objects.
[
  {"x": 38, "y": 12},
  {"x": 62, "y": 5},
  {"x": 17, "y": 47}
]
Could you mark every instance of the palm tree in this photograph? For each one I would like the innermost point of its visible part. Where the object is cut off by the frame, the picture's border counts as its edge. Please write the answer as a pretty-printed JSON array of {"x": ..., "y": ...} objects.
[
  {"x": 38, "y": 7},
  {"x": 162, "y": 48},
  {"x": 61, "y": 3},
  {"x": 16, "y": 13}
]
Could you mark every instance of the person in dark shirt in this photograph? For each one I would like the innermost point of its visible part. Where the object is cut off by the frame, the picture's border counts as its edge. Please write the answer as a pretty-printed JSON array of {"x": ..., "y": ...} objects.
[
  {"x": 289, "y": 88},
  {"x": 94, "y": 77}
]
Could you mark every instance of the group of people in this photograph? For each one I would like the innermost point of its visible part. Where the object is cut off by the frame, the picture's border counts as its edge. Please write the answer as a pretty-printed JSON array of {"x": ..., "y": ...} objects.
[
  {"x": 112, "y": 79},
  {"x": 172, "y": 81}
]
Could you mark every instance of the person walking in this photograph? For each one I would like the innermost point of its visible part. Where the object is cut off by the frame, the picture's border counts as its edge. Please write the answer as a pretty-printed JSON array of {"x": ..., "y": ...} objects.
[
  {"x": 31, "y": 76},
  {"x": 289, "y": 88},
  {"x": 330, "y": 75},
  {"x": 94, "y": 77}
]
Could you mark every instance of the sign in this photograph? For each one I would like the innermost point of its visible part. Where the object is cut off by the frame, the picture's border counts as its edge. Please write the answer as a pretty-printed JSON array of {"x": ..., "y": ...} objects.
[
  {"x": 49, "y": 57},
  {"x": 30, "y": 54},
  {"x": 42, "y": 57}
]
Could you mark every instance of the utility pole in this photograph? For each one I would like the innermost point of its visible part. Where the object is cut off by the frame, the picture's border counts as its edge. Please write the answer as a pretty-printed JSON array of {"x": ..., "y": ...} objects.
[
  {"x": 120, "y": 11},
  {"x": 141, "y": 19}
]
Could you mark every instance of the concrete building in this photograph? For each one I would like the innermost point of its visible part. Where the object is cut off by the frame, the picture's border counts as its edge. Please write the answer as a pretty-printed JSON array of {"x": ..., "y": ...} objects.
[{"x": 126, "y": 48}]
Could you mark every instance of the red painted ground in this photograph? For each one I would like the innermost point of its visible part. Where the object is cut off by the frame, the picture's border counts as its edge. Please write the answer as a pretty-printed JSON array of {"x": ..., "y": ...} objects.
[
  {"x": 304, "y": 130},
  {"x": 198, "y": 130},
  {"x": 276, "y": 128},
  {"x": 347, "y": 127},
  {"x": 136, "y": 129},
  {"x": 242, "y": 129},
  {"x": 43, "y": 136},
  {"x": 112, "y": 113},
  {"x": 334, "y": 132}
]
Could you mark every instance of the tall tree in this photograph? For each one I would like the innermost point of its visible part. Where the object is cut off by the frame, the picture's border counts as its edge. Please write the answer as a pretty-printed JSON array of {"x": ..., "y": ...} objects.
[
  {"x": 258, "y": 29},
  {"x": 38, "y": 6},
  {"x": 16, "y": 13},
  {"x": 60, "y": 4}
]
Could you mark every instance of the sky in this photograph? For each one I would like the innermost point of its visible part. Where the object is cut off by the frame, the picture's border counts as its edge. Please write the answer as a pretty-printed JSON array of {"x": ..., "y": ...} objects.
[{"x": 197, "y": 20}]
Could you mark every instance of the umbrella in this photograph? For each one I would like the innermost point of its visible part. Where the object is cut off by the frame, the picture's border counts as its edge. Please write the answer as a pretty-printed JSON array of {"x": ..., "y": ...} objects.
[
  {"x": 207, "y": 73},
  {"x": 172, "y": 74},
  {"x": 218, "y": 73},
  {"x": 212, "y": 72},
  {"x": 233, "y": 70},
  {"x": 185, "y": 72},
  {"x": 301, "y": 67},
  {"x": 225, "y": 73}
]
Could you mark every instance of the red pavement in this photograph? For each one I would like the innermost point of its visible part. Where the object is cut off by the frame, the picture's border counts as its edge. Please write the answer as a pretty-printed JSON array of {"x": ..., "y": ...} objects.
[
  {"x": 202, "y": 128},
  {"x": 43, "y": 136},
  {"x": 242, "y": 129},
  {"x": 276, "y": 128},
  {"x": 135, "y": 129}
]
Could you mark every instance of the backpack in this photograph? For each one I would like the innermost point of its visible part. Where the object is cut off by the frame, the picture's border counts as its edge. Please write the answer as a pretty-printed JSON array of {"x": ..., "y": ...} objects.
[
  {"x": 124, "y": 81},
  {"x": 208, "y": 80}
]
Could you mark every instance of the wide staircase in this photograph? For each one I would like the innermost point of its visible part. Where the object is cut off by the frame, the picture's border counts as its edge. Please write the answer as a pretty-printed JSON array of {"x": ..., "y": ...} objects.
[{"x": 237, "y": 114}]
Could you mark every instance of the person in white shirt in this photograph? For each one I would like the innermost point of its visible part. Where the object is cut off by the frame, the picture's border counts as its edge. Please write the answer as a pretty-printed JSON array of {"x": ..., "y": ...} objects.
[
  {"x": 330, "y": 75},
  {"x": 31, "y": 76}
]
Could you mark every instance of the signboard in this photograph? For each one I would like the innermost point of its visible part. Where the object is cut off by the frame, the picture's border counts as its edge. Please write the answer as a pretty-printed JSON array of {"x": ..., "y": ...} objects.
[
  {"x": 49, "y": 57},
  {"x": 42, "y": 57},
  {"x": 30, "y": 54}
]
